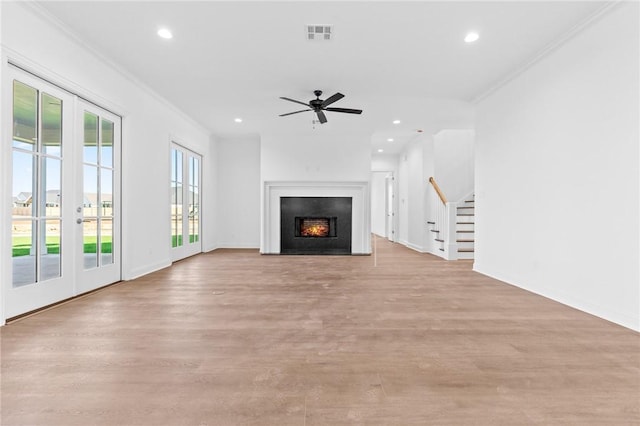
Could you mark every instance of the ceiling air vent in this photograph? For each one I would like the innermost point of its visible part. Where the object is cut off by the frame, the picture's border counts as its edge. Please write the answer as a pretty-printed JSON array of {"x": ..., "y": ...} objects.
[{"x": 319, "y": 32}]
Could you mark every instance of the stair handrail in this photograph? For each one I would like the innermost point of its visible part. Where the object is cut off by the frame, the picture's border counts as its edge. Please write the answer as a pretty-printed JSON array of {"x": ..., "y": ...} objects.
[{"x": 433, "y": 182}]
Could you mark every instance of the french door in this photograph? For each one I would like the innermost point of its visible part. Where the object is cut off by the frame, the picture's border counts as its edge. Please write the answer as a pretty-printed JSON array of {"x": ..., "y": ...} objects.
[
  {"x": 185, "y": 202},
  {"x": 97, "y": 198},
  {"x": 65, "y": 237}
]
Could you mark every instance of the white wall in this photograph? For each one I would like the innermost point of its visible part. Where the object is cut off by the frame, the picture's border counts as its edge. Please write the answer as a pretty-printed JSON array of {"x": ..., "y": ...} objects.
[
  {"x": 238, "y": 198},
  {"x": 454, "y": 159},
  {"x": 316, "y": 155},
  {"x": 148, "y": 125},
  {"x": 557, "y": 192},
  {"x": 321, "y": 155},
  {"x": 412, "y": 186},
  {"x": 384, "y": 163},
  {"x": 211, "y": 183}
]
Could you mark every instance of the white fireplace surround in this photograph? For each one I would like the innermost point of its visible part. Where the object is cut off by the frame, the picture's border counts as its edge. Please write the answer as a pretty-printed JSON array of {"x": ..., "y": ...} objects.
[{"x": 360, "y": 220}]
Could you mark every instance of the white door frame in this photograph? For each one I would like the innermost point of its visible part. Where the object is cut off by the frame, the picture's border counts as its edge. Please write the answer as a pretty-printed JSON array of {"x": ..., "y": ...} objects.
[
  {"x": 10, "y": 300},
  {"x": 104, "y": 274},
  {"x": 187, "y": 248}
]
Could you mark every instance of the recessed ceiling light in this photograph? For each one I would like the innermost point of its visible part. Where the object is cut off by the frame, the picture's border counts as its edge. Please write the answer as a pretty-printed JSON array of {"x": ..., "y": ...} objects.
[
  {"x": 396, "y": 121},
  {"x": 165, "y": 33},
  {"x": 238, "y": 120},
  {"x": 471, "y": 37},
  {"x": 381, "y": 150},
  {"x": 390, "y": 140}
]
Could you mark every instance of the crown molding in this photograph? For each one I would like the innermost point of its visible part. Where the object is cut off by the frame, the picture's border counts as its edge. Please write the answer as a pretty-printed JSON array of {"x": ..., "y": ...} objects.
[
  {"x": 75, "y": 38},
  {"x": 548, "y": 49}
]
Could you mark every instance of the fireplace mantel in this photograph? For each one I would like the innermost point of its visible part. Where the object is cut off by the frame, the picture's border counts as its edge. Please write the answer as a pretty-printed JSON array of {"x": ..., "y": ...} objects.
[{"x": 358, "y": 191}]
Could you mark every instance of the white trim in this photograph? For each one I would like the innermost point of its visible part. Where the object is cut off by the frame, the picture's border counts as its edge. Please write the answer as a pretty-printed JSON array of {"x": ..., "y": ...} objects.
[
  {"x": 412, "y": 246},
  {"x": 18, "y": 60},
  {"x": 235, "y": 245},
  {"x": 623, "y": 319},
  {"x": 548, "y": 49},
  {"x": 6, "y": 170},
  {"x": 42, "y": 12},
  {"x": 186, "y": 249},
  {"x": 361, "y": 210},
  {"x": 144, "y": 270}
]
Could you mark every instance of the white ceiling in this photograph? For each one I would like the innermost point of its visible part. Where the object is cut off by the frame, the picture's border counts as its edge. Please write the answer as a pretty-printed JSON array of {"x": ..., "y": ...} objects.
[{"x": 404, "y": 60}]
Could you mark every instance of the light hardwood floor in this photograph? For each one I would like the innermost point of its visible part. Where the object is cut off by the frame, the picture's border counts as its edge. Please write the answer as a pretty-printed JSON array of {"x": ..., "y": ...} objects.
[{"x": 236, "y": 338}]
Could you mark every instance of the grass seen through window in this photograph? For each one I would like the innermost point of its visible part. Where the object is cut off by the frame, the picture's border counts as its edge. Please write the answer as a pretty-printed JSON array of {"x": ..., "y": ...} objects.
[{"x": 22, "y": 245}]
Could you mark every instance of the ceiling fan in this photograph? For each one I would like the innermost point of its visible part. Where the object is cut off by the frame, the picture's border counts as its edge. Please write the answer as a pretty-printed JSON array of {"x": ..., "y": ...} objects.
[{"x": 318, "y": 106}]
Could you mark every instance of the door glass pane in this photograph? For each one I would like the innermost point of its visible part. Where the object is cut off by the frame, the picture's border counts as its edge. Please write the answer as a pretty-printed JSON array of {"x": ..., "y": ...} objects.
[
  {"x": 90, "y": 242},
  {"x": 176, "y": 199},
  {"x": 51, "y": 133},
  {"x": 106, "y": 192},
  {"x": 106, "y": 148},
  {"x": 24, "y": 259},
  {"x": 90, "y": 200},
  {"x": 194, "y": 195},
  {"x": 50, "y": 249},
  {"x": 24, "y": 170},
  {"x": 51, "y": 197},
  {"x": 90, "y": 150},
  {"x": 106, "y": 240},
  {"x": 25, "y": 116}
]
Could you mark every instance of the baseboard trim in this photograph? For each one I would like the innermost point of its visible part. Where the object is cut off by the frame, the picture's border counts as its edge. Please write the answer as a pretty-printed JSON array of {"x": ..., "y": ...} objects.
[
  {"x": 139, "y": 272},
  {"x": 619, "y": 318}
]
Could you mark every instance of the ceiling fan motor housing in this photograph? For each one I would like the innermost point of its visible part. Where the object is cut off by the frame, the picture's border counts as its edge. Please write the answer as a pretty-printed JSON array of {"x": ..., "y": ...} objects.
[{"x": 316, "y": 104}]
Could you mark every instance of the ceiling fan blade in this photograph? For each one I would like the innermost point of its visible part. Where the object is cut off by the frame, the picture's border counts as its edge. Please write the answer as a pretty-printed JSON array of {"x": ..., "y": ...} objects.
[
  {"x": 347, "y": 110},
  {"x": 331, "y": 99},
  {"x": 321, "y": 117},
  {"x": 293, "y": 100},
  {"x": 295, "y": 112}
]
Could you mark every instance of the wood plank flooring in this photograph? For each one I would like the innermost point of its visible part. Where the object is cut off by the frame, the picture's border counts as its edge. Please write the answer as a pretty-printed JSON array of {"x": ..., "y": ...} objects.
[{"x": 236, "y": 338}]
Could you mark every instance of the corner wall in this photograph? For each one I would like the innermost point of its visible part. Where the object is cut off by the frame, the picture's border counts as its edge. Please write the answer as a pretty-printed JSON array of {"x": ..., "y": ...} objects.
[{"x": 557, "y": 182}]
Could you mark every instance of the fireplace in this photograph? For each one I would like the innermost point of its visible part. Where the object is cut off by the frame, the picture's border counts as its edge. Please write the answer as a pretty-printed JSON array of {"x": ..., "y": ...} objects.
[
  {"x": 315, "y": 225},
  {"x": 359, "y": 219}
]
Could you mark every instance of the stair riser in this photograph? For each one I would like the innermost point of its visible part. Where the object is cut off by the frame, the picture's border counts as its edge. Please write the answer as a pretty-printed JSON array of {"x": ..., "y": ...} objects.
[
  {"x": 464, "y": 255},
  {"x": 464, "y": 227},
  {"x": 465, "y": 245}
]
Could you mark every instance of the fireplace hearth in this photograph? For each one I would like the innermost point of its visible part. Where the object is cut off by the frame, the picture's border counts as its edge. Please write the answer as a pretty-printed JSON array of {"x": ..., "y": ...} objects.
[{"x": 315, "y": 225}]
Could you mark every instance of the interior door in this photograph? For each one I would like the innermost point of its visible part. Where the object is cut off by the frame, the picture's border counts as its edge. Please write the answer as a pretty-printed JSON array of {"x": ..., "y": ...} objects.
[
  {"x": 389, "y": 204},
  {"x": 97, "y": 209},
  {"x": 41, "y": 143}
]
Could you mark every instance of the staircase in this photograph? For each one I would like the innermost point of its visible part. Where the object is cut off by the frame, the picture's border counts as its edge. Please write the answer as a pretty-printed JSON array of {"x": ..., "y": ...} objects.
[
  {"x": 451, "y": 225},
  {"x": 465, "y": 223}
]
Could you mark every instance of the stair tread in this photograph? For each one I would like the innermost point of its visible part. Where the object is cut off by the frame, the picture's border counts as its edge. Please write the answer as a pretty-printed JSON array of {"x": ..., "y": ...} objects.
[
  {"x": 470, "y": 201},
  {"x": 465, "y": 223},
  {"x": 431, "y": 223},
  {"x": 465, "y": 241},
  {"x": 465, "y": 214},
  {"x": 465, "y": 250},
  {"x": 467, "y": 207},
  {"x": 434, "y": 230},
  {"x": 439, "y": 240},
  {"x": 466, "y": 232}
]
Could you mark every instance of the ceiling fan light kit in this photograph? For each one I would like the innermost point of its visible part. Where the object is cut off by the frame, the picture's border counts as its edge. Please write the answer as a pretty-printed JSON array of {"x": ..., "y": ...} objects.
[{"x": 318, "y": 106}]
